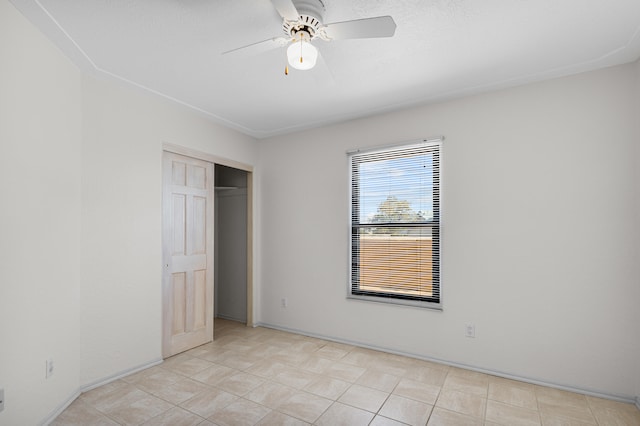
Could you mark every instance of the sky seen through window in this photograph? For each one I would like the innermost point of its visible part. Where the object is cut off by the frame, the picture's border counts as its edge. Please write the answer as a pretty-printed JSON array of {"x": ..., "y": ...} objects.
[{"x": 407, "y": 179}]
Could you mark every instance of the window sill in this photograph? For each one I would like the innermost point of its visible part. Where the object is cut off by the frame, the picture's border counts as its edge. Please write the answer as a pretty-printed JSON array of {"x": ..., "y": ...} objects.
[{"x": 391, "y": 301}]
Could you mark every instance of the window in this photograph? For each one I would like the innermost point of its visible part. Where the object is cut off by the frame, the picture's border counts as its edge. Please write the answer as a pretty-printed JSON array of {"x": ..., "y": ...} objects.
[{"x": 395, "y": 224}]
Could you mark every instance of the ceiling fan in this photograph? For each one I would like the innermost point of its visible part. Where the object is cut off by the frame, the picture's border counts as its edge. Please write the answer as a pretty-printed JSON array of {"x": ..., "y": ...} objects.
[{"x": 302, "y": 24}]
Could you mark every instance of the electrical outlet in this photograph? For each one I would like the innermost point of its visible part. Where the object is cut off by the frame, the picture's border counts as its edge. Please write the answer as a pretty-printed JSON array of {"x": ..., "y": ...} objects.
[
  {"x": 284, "y": 302},
  {"x": 49, "y": 371},
  {"x": 470, "y": 330},
  {"x": 1, "y": 399}
]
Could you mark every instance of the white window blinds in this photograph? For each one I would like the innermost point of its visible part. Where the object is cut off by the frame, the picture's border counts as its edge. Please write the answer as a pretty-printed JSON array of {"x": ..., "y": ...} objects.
[{"x": 395, "y": 223}]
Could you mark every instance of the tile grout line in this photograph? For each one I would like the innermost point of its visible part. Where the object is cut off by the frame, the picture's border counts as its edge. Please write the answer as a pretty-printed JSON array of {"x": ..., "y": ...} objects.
[
  {"x": 591, "y": 411},
  {"x": 301, "y": 350}
]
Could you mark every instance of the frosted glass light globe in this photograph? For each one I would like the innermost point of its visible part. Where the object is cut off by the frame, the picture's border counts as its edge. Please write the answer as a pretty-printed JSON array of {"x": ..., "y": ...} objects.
[{"x": 302, "y": 55}]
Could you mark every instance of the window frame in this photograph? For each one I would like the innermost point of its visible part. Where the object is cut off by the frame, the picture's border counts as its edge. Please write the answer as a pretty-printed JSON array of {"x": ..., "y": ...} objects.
[{"x": 435, "y": 224}]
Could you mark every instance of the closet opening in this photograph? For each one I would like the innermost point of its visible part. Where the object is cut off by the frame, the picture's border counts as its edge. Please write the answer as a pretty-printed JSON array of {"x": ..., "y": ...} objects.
[{"x": 231, "y": 252}]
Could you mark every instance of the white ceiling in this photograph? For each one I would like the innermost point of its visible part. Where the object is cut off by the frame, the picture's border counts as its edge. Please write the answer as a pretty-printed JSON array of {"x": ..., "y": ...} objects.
[{"x": 441, "y": 49}]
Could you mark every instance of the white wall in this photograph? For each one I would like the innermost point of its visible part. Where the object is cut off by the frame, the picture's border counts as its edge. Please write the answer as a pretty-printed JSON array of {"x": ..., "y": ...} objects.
[
  {"x": 40, "y": 214},
  {"x": 538, "y": 204},
  {"x": 80, "y": 180},
  {"x": 121, "y": 246}
]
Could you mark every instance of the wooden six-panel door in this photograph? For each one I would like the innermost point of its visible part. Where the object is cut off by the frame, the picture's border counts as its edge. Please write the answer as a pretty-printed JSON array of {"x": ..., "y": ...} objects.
[{"x": 188, "y": 256}]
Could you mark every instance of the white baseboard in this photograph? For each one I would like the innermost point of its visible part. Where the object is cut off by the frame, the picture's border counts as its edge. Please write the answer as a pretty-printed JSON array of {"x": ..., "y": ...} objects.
[
  {"x": 626, "y": 399},
  {"x": 84, "y": 388},
  {"x": 231, "y": 318},
  {"x": 52, "y": 416},
  {"x": 112, "y": 378}
]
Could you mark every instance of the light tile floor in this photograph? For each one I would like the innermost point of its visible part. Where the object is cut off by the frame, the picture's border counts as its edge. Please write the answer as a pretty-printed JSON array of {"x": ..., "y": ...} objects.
[{"x": 259, "y": 376}]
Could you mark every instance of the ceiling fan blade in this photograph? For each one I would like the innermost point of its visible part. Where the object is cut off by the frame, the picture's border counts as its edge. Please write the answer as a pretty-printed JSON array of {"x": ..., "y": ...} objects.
[
  {"x": 259, "y": 47},
  {"x": 382, "y": 26},
  {"x": 323, "y": 75},
  {"x": 286, "y": 9}
]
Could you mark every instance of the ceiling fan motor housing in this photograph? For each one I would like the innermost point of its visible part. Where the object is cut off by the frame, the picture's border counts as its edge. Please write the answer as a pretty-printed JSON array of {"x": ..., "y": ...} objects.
[{"x": 310, "y": 21}]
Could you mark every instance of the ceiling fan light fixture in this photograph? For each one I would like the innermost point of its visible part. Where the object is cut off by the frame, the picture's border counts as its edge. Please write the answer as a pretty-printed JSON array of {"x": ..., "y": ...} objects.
[{"x": 302, "y": 55}]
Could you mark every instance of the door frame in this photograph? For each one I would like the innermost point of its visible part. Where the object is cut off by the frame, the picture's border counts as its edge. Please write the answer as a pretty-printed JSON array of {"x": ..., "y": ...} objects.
[{"x": 214, "y": 159}]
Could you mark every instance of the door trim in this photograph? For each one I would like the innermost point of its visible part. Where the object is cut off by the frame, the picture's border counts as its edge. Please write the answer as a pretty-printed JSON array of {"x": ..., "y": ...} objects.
[
  {"x": 214, "y": 159},
  {"x": 198, "y": 155}
]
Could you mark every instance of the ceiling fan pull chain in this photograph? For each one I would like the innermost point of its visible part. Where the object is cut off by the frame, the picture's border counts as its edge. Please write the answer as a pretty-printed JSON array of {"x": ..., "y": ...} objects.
[{"x": 300, "y": 48}]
